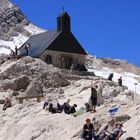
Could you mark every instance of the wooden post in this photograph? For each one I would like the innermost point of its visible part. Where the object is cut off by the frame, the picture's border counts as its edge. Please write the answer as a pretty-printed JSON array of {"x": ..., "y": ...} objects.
[
  {"x": 21, "y": 101},
  {"x": 38, "y": 99}
]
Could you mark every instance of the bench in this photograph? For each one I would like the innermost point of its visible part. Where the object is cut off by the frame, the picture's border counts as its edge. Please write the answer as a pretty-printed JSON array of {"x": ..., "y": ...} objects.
[{"x": 29, "y": 97}]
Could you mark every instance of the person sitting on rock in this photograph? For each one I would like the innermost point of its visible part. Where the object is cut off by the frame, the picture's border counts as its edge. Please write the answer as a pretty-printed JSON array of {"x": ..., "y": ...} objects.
[
  {"x": 117, "y": 132},
  {"x": 52, "y": 109},
  {"x": 7, "y": 103},
  {"x": 45, "y": 105},
  {"x": 69, "y": 109},
  {"x": 110, "y": 76},
  {"x": 72, "y": 109},
  {"x": 93, "y": 97},
  {"x": 88, "y": 130},
  {"x": 59, "y": 108}
]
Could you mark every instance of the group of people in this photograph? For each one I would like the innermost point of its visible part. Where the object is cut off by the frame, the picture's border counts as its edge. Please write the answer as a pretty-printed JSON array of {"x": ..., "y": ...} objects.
[
  {"x": 66, "y": 107},
  {"x": 110, "y": 77},
  {"x": 78, "y": 67},
  {"x": 15, "y": 54},
  {"x": 116, "y": 132}
]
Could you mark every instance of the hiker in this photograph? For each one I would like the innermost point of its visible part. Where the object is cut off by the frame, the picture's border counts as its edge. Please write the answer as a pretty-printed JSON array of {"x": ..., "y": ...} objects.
[
  {"x": 72, "y": 68},
  {"x": 88, "y": 130},
  {"x": 27, "y": 49},
  {"x": 110, "y": 76},
  {"x": 120, "y": 81},
  {"x": 7, "y": 103},
  {"x": 93, "y": 97},
  {"x": 16, "y": 52},
  {"x": 88, "y": 107},
  {"x": 45, "y": 105}
]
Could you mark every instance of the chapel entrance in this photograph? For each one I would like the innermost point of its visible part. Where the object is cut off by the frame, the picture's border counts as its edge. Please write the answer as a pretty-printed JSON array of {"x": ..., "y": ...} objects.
[{"x": 66, "y": 61}]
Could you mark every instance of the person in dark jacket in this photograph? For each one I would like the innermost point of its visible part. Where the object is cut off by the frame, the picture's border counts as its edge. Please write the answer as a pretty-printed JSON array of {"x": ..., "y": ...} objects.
[
  {"x": 72, "y": 109},
  {"x": 120, "y": 81},
  {"x": 52, "y": 109},
  {"x": 45, "y": 105},
  {"x": 93, "y": 97},
  {"x": 88, "y": 130},
  {"x": 110, "y": 76},
  {"x": 67, "y": 107},
  {"x": 59, "y": 108}
]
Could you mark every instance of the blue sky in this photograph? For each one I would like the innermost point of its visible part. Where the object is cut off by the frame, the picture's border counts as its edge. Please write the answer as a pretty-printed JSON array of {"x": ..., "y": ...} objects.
[{"x": 105, "y": 28}]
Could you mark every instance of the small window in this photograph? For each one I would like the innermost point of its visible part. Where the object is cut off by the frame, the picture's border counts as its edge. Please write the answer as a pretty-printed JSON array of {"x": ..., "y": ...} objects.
[{"x": 49, "y": 59}]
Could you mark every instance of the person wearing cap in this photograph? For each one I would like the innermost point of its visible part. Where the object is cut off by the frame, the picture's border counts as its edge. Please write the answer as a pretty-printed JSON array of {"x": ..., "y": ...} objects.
[
  {"x": 88, "y": 130},
  {"x": 93, "y": 97}
]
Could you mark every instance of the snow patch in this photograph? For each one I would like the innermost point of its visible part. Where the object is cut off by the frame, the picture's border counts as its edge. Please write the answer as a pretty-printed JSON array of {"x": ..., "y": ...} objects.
[
  {"x": 33, "y": 29},
  {"x": 128, "y": 78}
]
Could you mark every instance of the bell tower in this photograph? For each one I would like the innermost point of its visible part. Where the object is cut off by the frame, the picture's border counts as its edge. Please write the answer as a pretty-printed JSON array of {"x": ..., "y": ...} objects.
[{"x": 63, "y": 22}]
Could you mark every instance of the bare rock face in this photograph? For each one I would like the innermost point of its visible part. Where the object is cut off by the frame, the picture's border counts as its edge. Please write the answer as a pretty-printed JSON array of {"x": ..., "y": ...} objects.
[
  {"x": 12, "y": 21},
  {"x": 122, "y": 118},
  {"x": 57, "y": 80},
  {"x": 30, "y": 70},
  {"x": 16, "y": 84}
]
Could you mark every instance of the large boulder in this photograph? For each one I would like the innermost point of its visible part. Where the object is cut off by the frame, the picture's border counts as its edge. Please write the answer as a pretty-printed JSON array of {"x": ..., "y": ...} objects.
[
  {"x": 34, "y": 89},
  {"x": 16, "y": 84},
  {"x": 56, "y": 80}
]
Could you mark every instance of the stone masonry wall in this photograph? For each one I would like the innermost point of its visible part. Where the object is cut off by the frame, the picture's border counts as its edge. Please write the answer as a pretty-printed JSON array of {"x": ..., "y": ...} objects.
[{"x": 56, "y": 57}]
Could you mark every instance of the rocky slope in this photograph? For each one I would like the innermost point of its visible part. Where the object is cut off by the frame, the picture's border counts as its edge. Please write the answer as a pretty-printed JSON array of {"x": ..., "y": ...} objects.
[
  {"x": 29, "y": 121},
  {"x": 15, "y": 29}
]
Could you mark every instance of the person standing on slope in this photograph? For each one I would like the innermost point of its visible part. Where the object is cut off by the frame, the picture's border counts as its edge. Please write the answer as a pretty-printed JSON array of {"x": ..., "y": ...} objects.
[
  {"x": 93, "y": 97},
  {"x": 110, "y": 76},
  {"x": 120, "y": 81}
]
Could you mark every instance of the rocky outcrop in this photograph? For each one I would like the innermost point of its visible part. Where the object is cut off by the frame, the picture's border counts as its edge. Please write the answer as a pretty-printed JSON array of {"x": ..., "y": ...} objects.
[
  {"x": 34, "y": 89},
  {"x": 16, "y": 84},
  {"x": 12, "y": 21}
]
